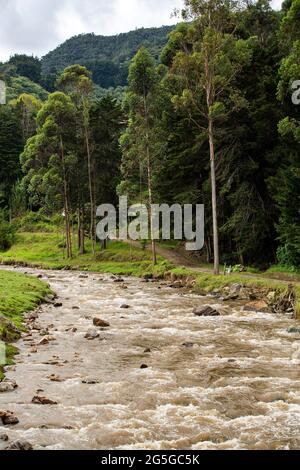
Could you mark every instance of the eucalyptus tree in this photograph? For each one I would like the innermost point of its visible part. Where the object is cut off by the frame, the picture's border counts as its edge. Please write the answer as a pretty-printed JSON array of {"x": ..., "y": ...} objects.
[
  {"x": 208, "y": 57},
  {"x": 138, "y": 140},
  {"x": 28, "y": 106},
  {"x": 48, "y": 159},
  {"x": 76, "y": 81}
]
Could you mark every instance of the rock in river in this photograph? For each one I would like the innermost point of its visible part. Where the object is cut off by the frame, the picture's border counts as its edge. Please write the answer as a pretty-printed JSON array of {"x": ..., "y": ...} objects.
[
  {"x": 206, "y": 312},
  {"x": 19, "y": 445},
  {"x": 43, "y": 401},
  {"x": 100, "y": 323},
  {"x": 92, "y": 334},
  {"x": 7, "y": 386},
  {"x": 257, "y": 306},
  {"x": 8, "y": 418}
]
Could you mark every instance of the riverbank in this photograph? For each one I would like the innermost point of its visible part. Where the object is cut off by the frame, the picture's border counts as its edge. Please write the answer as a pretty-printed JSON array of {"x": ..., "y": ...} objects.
[
  {"x": 18, "y": 294},
  {"x": 44, "y": 251}
]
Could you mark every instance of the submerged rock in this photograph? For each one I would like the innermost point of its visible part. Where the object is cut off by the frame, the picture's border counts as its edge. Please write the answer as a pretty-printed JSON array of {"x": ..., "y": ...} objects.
[
  {"x": 19, "y": 445},
  {"x": 8, "y": 418},
  {"x": 188, "y": 345},
  {"x": 206, "y": 312},
  {"x": 55, "y": 378},
  {"x": 257, "y": 306},
  {"x": 293, "y": 330},
  {"x": 8, "y": 386},
  {"x": 100, "y": 323},
  {"x": 90, "y": 381},
  {"x": 92, "y": 334},
  {"x": 43, "y": 401}
]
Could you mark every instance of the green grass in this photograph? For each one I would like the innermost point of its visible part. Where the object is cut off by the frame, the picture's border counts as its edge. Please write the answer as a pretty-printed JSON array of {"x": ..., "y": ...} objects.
[
  {"x": 18, "y": 294},
  {"x": 206, "y": 283},
  {"x": 44, "y": 250}
]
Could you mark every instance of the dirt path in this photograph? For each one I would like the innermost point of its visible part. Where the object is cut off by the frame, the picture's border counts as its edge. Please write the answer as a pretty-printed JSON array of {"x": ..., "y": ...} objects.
[{"x": 179, "y": 259}]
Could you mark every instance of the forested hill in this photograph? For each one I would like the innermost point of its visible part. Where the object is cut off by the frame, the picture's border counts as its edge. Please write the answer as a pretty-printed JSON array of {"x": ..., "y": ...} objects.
[{"x": 107, "y": 57}]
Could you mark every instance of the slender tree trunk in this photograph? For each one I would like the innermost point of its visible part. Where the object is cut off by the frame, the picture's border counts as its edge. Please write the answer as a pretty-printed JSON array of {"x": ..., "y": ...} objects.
[
  {"x": 81, "y": 247},
  {"x": 90, "y": 177},
  {"x": 150, "y": 194},
  {"x": 66, "y": 203},
  {"x": 214, "y": 199},
  {"x": 210, "y": 101}
]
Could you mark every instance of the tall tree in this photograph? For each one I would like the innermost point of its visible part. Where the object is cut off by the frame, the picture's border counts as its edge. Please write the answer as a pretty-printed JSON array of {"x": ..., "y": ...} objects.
[
  {"x": 76, "y": 80},
  {"x": 143, "y": 81},
  {"x": 27, "y": 106},
  {"x": 48, "y": 158},
  {"x": 210, "y": 63}
]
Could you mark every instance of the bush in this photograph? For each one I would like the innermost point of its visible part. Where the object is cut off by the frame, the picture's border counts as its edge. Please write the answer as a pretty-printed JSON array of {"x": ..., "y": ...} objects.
[
  {"x": 289, "y": 256},
  {"x": 39, "y": 222},
  {"x": 7, "y": 235}
]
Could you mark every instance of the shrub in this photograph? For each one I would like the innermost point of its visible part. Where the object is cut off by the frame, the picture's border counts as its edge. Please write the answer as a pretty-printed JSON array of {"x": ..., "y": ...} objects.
[{"x": 7, "y": 235}]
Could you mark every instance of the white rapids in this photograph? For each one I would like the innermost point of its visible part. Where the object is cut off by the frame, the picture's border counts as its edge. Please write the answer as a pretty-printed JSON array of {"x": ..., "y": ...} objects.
[{"x": 228, "y": 382}]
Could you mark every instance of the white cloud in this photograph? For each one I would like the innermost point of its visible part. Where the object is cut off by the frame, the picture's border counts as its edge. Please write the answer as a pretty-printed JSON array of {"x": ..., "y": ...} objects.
[{"x": 37, "y": 26}]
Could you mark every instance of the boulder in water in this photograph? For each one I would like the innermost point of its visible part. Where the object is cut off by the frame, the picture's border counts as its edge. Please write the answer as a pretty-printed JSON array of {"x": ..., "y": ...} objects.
[
  {"x": 206, "y": 312},
  {"x": 8, "y": 418},
  {"x": 257, "y": 306},
  {"x": 92, "y": 334},
  {"x": 19, "y": 445},
  {"x": 43, "y": 401},
  {"x": 100, "y": 323}
]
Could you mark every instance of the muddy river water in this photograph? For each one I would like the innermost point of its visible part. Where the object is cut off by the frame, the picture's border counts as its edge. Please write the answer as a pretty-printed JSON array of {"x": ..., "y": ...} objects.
[{"x": 228, "y": 382}]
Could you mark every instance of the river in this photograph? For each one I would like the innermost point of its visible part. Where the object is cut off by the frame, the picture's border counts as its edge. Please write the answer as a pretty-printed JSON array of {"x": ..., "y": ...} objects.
[{"x": 228, "y": 382}]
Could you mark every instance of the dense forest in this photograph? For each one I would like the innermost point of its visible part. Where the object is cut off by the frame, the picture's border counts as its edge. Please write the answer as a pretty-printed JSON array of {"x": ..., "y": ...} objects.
[
  {"x": 207, "y": 117},
  {"x": 107, "y": 57}
]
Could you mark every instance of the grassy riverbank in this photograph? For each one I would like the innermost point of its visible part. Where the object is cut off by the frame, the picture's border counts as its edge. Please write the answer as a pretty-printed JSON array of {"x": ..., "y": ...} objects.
[
  {"x": 18, "y": 294},
  {"x": 44, "y": 250}
]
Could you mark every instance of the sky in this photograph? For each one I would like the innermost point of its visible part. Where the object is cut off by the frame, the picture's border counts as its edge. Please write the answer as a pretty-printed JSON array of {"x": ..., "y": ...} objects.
[{"x": 35, "y": 27}]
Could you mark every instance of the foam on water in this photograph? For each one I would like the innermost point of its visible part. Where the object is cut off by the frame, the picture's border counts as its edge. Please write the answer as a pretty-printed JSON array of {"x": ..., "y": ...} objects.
[{"x": 229, "y": 382}]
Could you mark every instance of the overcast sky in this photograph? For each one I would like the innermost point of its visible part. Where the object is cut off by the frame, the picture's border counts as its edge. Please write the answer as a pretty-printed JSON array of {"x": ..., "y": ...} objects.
[{"x": 38, "y": 26}]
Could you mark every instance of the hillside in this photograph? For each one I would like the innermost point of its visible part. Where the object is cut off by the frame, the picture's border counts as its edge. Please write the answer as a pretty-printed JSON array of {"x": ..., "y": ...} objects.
[
  {"x": 18, "y": 85},
  {"x": 106, "y": 56}
]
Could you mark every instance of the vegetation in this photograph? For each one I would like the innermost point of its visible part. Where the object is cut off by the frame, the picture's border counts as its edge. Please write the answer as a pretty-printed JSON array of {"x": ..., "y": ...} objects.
[
  {"x": 47, "y": 250},
  {"x": 211, "y": 122},
  {"x": 107, "y": 57},
  {"x": 18, "y": 294}
]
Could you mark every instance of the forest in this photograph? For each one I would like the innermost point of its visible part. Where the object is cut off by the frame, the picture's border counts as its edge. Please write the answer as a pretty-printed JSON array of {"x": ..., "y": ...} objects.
[{"x": 212, "y": 121}]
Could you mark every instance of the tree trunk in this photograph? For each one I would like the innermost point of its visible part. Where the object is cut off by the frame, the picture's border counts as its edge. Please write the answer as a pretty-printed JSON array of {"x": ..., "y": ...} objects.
[
  {"x": 214, "y": 198},
  {"x": 81, "y": 247},
  {"x": 210, "y": 101},
  {"x": 92, "y": 202},
  {"x": 150, "y": 195},
  {"x": 66, "y": 203}
]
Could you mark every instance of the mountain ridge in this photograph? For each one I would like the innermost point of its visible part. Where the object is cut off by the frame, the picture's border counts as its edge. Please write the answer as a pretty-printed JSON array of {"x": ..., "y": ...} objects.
[{"x": 107, "y": 57}]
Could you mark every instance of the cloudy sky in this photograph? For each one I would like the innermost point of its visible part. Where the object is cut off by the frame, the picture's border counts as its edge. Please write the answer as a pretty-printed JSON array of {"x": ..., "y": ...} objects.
[{"x": 37, "y": 26}]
